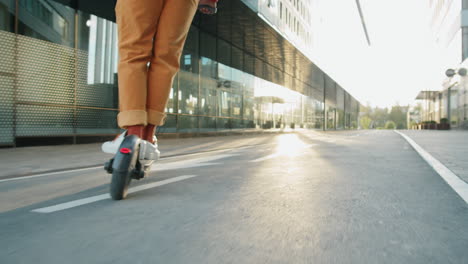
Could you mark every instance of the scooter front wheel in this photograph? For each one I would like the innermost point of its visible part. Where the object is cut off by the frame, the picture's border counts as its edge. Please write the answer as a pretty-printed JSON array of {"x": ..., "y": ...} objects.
[{"x": 123, "y": 167}]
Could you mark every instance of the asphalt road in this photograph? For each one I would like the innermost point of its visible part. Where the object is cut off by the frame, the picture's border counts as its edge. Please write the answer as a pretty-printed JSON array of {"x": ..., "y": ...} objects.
[{"x": 341, "y": 197}]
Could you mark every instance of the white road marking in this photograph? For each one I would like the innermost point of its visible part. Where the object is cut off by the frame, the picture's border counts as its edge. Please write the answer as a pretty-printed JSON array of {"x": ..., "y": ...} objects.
[
  {"x": 68, "y": 205},
  {"x": 190, "y": 163},
  {"x": 50, "y": 173},
  {"x": 180, "y": 165},
  {"x": 458, "y": 185},
  {"x": 184, "y": 164},
  {"x": 272, "y": 156},
  {"x": 209, "y": 152},
  {"x": 266, "y": 157}
]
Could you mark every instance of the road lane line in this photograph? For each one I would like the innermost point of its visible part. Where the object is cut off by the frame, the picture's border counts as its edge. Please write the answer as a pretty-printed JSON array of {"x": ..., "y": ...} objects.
[
  {"x": 457, "y": 184},
  {"x": 50, "y": 174},
  {"x": 266, "y": 157},
  {"x": 187, "y": 163},
  {"x": 92, "y": 199},
  {"x": 179, "y": 166},
  {"x": 275, "y": 155}
]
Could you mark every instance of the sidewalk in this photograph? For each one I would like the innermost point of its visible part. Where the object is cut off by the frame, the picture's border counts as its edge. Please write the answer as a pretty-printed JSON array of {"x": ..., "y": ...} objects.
[
  {"x": 449, "y": 147},
  {"x": 15, "y": 162}
]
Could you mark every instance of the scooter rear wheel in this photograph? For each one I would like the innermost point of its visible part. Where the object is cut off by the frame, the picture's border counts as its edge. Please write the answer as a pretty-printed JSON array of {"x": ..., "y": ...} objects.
[{"x": 123, "y": 167}]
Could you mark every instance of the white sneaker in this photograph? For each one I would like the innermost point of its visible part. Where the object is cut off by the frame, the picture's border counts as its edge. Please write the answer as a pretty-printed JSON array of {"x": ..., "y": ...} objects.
[
  {"x": 112, "y": 147},
  {"x": 148, "y": 151}
]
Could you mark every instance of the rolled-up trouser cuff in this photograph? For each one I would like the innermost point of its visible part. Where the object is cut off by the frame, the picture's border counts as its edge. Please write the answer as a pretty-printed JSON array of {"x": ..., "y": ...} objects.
[
  {"x": 132, "y": 118},
  {"x": 156, "y": 118}
]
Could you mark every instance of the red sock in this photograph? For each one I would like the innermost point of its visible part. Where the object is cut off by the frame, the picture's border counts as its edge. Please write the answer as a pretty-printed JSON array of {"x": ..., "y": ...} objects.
[
  {"x": 138, "y": 130},
  {"x": 149, "y": 133}
]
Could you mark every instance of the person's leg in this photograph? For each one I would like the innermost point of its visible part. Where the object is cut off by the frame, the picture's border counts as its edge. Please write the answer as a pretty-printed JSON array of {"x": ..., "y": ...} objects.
[
  {"x": 174, "y": 24},
  {"x": 137, "y": 22}
]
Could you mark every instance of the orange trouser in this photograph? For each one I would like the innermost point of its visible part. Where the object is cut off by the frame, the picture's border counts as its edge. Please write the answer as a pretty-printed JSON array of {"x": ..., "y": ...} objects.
[{"x": 154, "y": 32}]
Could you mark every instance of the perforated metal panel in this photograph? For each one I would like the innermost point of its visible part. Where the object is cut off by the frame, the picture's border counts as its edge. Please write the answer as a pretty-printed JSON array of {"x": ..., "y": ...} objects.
[
  {"x": 7, "y": 76},
  {"x": 50, "y": 79},
  {"x": 45, "y": 88},
  {"x": 39, "y": 120},
  {"x": 46, "y": 72}
]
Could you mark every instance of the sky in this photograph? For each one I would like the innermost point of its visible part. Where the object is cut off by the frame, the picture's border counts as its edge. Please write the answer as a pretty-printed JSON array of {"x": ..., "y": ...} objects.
[{"x": 401, "y": 60}]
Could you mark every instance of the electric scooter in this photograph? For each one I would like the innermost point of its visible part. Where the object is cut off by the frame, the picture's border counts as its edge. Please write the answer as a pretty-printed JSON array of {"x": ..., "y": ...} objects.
[{"x": 132, "y": 161}]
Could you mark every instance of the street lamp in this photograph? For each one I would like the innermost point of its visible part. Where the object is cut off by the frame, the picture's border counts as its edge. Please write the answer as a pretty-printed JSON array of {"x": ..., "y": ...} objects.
[{"x": 451, "y": 72}]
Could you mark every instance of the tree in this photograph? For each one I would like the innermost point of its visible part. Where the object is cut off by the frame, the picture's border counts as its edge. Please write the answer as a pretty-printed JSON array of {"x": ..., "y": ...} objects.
[
  {"x": 379, "y": 116},
  {"x": 398, "y": 115},
  {"x": 365, "y": 122},
  {"x": 390, "y": 125}
]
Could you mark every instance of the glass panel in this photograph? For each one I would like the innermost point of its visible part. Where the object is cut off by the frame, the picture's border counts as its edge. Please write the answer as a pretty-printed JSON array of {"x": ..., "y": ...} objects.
[
  {"x": 170, "y": 125},
  {"x": 224, "y": 123},
  {"x": 192, "y": 42},
  {"x": 331, "y": 124},
  {"x": 209, "y": 68},
  {"x": 208, "y": 89},
  {"x": 208, "y": 104},
  {"x": 207, "y": 46},
  {"x": 97, "y": 84},
  {"x": 464, "y": 43},
  {"x": 224, "y": 103},
  {"x": 249, "y": 107},
  {"x": 339, "y": 119},
  {"x": 188, "y": 93},
  {"x": 189, "y": 62},
  {"x": 7, "y": 13},
  {"x": 454, "y": 108},
  {"x": 186, "y": 123},
  {"x": 171, "y": 106},
  {"x": 47, "y": 20},
  {"x": 249, "y": 62},
  {"x": 224, "y": 52},
  {"x": 207, "y": 124},
  {"x": 236, "y": 105},
  {"x": 188, "y": 77},
  {"x": 97, "y": 43},
  {"x": 237, "y": 58},
  {"x": 319, "y": 114}
]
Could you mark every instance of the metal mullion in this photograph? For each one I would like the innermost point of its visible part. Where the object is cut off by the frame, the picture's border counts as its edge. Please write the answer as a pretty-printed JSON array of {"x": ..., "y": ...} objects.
[
  {"x": 75, "y": 100},
  {"x": 15, "y": 70}
]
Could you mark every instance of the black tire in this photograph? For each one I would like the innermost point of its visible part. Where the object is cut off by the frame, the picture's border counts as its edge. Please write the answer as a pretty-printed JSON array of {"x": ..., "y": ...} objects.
[{"x": 123, "y": 168}]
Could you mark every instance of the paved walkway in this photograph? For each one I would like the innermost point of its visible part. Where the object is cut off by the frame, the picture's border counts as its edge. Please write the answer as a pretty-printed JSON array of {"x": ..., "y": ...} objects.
[{"x": 449, "y": 147}]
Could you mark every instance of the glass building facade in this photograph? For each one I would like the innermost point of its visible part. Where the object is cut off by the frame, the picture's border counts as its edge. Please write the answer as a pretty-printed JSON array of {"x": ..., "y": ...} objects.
[
  {"x": 58, "y": 77},
  {"x": 450, "y": 103},
  {"x": 449, "y": 24}
]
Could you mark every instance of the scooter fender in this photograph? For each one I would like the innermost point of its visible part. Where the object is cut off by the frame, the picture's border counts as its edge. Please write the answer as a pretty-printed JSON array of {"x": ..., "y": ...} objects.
[{"x": 125, "y": 153}]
